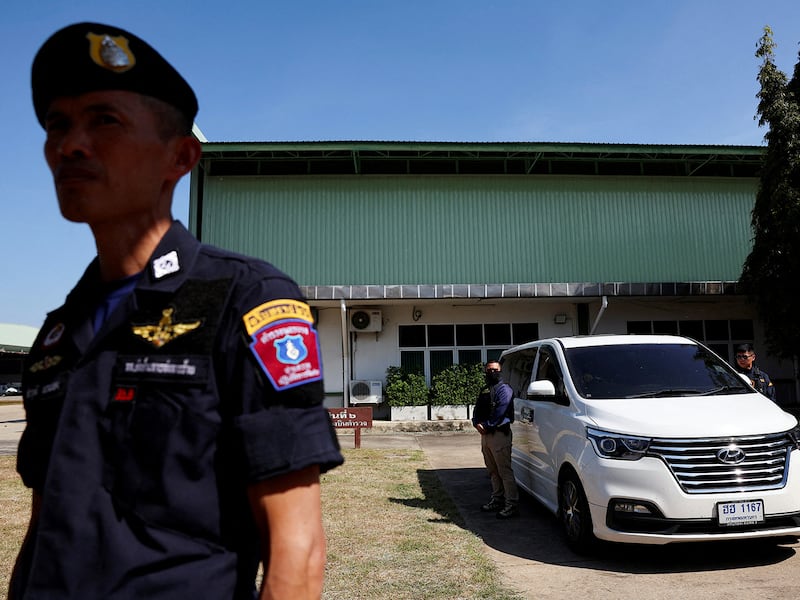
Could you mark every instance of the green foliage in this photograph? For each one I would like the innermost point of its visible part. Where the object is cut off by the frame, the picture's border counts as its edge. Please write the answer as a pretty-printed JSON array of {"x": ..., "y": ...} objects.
[
  {"x": 771, "y": 272},
  {"x": 405, "y": 388},
  {"x": 458, "y": 384}
]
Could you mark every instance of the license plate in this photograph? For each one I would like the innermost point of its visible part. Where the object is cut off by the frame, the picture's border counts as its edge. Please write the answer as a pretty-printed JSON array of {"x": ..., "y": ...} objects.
[{"x": 740, "y": 513}]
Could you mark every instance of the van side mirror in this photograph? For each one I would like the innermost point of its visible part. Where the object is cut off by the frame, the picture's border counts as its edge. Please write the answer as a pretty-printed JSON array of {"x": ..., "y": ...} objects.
[{"x": 543, "y": 387}]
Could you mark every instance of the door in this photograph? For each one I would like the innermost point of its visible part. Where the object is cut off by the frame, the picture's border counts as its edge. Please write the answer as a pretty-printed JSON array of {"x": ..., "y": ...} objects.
[
  {"x": 517, "y": 372},
  {"x": 547, "y": 414}
]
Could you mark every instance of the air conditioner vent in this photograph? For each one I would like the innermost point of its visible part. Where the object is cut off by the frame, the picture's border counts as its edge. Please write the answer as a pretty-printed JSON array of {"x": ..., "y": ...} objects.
[
  {"x": 366, "y": 392},
  {"x": 363, "y": 320}
]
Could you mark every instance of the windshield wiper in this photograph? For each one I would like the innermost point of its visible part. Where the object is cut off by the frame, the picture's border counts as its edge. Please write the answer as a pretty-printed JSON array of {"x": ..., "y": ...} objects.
[
  {"x": 667, "y": 392},
  {"x": 724, "y": 388}
]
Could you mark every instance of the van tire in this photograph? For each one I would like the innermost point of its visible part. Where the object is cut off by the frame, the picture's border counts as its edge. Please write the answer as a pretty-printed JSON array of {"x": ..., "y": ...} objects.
[{"x": 574, "y": 515}]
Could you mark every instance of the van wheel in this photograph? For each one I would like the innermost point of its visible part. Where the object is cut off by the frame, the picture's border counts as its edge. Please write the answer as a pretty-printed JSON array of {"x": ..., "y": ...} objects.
[{"x": 573, "y": 511}]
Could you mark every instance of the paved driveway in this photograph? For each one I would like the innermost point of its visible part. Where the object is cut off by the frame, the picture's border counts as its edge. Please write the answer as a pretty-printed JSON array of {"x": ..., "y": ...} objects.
[
  {"x": 533, "y": 558},
  {"x": 12, "y": 422}
]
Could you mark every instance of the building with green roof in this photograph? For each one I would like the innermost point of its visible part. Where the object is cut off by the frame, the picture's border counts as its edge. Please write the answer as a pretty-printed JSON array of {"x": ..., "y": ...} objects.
[
  {"x": 15, "y": 343},
  {"x": 426, "y": 254}
]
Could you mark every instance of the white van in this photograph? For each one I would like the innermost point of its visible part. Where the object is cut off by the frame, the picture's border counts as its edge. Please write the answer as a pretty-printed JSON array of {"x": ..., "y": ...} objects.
[{"x": 650, "y": 439}]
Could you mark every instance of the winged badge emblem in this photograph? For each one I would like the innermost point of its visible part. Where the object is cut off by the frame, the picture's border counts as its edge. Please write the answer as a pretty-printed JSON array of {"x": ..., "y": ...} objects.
[{"x": 165, "y": 330}]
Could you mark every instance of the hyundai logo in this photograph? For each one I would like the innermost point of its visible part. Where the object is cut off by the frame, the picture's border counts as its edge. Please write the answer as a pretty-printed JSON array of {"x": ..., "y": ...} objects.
[{"x": 732, "y": 455}]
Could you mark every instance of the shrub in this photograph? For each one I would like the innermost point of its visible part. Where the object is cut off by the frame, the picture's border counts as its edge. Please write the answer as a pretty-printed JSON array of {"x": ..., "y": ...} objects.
[
  {"x": 458, "y": 384},
  {"x": 405, "y": 388}
]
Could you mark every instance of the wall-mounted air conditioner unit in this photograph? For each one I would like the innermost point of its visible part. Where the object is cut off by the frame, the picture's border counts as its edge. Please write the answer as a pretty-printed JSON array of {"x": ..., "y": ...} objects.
[
  {"x": 366, "y": 392},
  {"x": 363, "y": 320}
]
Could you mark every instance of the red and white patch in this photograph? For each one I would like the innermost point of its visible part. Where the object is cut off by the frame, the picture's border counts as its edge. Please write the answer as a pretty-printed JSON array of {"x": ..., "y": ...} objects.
[{"x": 288, "y": 352}]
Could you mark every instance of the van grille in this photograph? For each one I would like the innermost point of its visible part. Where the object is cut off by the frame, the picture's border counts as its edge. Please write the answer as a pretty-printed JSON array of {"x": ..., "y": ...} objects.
[{"x": 700, "y": 465}]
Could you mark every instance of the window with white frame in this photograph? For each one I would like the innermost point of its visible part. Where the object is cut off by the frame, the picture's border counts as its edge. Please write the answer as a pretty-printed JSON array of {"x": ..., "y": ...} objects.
[
  {"x": 721, "y": 335},
  {"x": 429, "y": 349}
]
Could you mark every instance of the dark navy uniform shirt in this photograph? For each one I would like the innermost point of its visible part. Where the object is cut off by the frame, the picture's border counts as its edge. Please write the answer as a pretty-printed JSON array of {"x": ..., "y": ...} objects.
[
  {"x": 493, "y": 405},
  {"x": 143, "y": 436},
  {"x": 760, "y": 381}
]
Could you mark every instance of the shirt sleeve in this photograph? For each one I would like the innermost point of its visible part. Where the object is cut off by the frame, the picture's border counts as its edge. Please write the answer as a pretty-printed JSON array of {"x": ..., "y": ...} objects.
[
  {"x": 276, "y": 392},
  {"x": 769, "y": 387}
]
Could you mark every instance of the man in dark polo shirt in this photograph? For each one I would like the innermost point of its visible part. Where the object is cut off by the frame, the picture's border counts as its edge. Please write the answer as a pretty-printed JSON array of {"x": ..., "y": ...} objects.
[{"x": 494, "y": 413}]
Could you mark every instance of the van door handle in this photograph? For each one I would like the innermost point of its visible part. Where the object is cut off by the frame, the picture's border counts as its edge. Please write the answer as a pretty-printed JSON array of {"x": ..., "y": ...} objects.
[{"x": 526, "y": 414}]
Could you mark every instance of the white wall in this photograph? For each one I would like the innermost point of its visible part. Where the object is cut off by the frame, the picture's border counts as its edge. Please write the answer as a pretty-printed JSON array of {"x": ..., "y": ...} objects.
[{"x": 372, "y": 353}]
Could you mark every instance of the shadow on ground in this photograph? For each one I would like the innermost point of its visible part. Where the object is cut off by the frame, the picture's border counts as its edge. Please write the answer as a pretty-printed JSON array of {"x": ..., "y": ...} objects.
[{"x": 535, "y": 534}]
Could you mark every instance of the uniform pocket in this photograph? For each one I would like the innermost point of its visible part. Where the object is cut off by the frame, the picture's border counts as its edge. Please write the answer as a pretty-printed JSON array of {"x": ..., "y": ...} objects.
[
  {"x": 160, "y": 434},
  {"x": 43, "y": 405}
]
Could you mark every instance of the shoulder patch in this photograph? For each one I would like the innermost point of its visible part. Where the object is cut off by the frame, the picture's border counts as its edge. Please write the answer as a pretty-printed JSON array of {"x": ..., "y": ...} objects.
[{"x": 285, "y": 342}]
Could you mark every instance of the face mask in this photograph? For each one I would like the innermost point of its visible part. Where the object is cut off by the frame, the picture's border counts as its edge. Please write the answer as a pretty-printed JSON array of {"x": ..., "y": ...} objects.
[{"x": 492, "y": 378}]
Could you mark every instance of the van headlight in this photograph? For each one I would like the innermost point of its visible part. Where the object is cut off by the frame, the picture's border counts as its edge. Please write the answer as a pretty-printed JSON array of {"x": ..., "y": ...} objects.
[{"x": 615, "y": 445}]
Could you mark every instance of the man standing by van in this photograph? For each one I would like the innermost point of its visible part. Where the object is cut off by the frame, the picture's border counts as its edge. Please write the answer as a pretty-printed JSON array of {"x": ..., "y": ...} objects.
[
  {"x": 494, "y": 413},
  {"x": 745, "y": 364}
]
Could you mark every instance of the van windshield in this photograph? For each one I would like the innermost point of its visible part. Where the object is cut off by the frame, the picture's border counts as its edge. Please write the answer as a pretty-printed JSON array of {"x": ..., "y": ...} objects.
[{"x": 649, "y": 371}]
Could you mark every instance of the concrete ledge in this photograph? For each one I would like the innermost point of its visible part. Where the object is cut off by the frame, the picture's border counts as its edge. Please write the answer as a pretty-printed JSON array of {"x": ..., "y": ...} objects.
[{"x": 379, "y": 427}]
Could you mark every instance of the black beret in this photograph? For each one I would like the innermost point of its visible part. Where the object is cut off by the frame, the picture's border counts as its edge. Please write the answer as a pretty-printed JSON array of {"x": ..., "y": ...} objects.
[{"x": 88, "y": 57}]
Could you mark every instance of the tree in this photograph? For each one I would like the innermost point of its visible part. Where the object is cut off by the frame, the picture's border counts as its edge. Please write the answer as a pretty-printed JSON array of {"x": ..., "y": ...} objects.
[{"x": 771, "y": 273}]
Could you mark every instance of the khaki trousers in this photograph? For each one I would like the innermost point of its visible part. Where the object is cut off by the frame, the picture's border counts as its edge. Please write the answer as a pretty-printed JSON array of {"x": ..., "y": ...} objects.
[{"x": 496, "y": 449}]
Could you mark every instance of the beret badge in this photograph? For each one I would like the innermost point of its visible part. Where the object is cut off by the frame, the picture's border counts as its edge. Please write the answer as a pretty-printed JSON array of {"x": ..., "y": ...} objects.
[
  {"x": 92, "y": 57},
  {"x": 111, "y": 53}
]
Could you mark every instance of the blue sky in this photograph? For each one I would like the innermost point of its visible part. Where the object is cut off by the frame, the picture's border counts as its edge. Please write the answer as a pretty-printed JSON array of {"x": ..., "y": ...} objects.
[{"x": 619, "y": 71}]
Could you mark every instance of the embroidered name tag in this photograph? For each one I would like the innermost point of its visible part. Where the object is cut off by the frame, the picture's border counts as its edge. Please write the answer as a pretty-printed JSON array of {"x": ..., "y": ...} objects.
[
  {"x": 285, "y": 342},
  {"x": 164, "y": 368},
  {"x": 47, "y": 389}
]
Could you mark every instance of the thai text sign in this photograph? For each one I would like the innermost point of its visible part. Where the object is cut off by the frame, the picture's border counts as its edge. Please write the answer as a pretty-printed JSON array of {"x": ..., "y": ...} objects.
[{"x": 349, "y": 417}]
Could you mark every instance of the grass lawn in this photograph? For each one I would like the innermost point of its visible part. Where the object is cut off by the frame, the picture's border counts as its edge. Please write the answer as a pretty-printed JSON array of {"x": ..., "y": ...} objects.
[
  {"x": 15, "y": 500},
  {"x": 392, "y": 532}
]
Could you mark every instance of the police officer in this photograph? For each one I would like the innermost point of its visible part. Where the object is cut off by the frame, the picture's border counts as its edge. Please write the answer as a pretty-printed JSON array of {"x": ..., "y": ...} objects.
[
  {"x": 494, "y": 411},
  {"x": 175, "y": 429},
  {"x": 745, "y": 364}
]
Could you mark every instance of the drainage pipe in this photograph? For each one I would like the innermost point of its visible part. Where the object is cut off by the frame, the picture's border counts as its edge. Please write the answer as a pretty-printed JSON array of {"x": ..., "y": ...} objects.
[
  {"x": 345, "y": 357},
  {"x": 599, "y": 314}
]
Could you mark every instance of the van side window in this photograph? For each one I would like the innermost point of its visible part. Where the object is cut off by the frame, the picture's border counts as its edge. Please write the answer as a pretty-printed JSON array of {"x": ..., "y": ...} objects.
[
  {"x": 517, "y": 370},
  {"x": 549, "y": 370}
]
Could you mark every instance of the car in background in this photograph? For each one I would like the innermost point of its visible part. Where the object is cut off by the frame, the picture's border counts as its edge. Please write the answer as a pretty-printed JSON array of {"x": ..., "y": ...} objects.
[
  {"x": 650, "y": 439},
  {"x": 10, "y": 390}
]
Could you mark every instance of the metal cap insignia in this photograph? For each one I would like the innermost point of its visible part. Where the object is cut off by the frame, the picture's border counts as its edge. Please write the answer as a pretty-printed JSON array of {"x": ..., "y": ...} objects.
[{"x": 111, "y": 53}]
